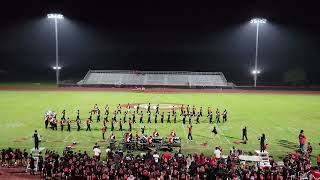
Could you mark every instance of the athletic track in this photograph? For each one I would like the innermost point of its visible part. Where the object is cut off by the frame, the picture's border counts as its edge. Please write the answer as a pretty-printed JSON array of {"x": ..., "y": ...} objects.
[{"x": 158, "y": 90}]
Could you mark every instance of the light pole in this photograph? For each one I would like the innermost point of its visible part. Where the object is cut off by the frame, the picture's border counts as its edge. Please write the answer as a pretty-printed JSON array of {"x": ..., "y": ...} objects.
[
  {"x": 255, "y": 72},
  {"x": 56, "y": 17}
]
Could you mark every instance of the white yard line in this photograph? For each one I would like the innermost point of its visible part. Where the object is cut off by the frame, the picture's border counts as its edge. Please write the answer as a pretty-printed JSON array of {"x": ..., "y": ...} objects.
[
  {"x": 185, "y": 133},
  {"x": 65, "y": 138},
  {"x": 225, "y": 137}
]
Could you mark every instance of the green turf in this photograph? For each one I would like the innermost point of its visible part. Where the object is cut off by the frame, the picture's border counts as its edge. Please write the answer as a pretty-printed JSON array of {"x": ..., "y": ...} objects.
[{"x": 279, "y": 116}]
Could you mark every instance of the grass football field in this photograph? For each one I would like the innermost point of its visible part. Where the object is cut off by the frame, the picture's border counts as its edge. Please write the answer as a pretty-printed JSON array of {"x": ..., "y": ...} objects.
[{"x": 279, "y": 116}]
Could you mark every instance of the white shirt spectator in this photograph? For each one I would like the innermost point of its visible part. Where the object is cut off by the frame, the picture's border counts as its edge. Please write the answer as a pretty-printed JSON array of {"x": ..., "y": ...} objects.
[
  {"x": 217, "y": 153},
  {"x": 131, "y": 177},
  {"x": 156, "y": 158},
  {"x": 97, "y": 151}
]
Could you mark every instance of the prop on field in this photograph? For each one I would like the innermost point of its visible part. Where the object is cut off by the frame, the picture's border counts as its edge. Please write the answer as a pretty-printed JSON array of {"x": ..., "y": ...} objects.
[
  {"x": 69, "y": 148},
  {"x": 51, "y": 115},
  {"x": 204, "y": 144},
  {"x": 238, "y": 142}
]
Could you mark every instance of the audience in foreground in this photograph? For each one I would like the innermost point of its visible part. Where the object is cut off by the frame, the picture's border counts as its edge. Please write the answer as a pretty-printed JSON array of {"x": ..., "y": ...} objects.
[{"x": 119, "y": 165}]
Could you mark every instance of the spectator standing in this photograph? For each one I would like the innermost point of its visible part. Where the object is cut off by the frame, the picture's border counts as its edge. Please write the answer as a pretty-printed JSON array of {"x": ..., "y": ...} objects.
[
  {"x": 217, "y": 153},
  {"x": 190, "y": 132},
  {"x": 36, "y": 140},
  {"x": 156, "y": 157},
  {"x": 97, "y": 153},
  {"x": 302, "y": 140}
]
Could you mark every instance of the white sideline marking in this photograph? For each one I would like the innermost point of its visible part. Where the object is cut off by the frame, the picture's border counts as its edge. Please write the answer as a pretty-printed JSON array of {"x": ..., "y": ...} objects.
[
  {"x": 225, "y": 137},
  {"x": 65, "y": 139},
  {"x": 184, "y": 131}
]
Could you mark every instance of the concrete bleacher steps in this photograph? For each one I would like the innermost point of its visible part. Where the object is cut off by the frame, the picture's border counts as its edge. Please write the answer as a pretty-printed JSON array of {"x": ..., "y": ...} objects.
[{"x": 156, "y": 78}]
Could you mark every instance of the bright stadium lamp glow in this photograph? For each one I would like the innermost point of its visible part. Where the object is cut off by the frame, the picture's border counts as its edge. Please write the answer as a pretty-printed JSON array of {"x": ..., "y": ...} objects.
[
  {"x": 56, "y": 68},
  {"x": 256, "y": 72},
  {"x": 55, "y": 16},
  {"x": 258, "y": 21}
]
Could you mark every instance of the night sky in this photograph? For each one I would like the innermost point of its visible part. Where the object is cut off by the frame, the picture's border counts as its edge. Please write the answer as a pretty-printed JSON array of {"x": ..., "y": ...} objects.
[{"x": 160, "y": 35}]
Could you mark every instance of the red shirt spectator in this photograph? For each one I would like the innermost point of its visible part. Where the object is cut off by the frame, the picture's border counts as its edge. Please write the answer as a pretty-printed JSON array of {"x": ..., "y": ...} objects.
[
  {"x": 315, "y": 175},
  {"x": 167, "y": 156},
  {"x": 190, "y": 129},
  {"x": 302, "y": 138}
]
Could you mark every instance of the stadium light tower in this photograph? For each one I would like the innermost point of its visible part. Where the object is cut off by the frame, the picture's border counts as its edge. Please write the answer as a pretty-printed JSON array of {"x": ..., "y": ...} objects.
[
  {"x": 56, "y": 17},
  {"x": 255, "y": 72}
]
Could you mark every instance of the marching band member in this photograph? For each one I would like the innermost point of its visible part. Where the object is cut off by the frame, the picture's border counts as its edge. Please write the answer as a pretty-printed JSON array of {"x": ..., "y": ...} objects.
[
  {"x": 54, "y": 124},
  {"x": 112, "y": 124},
  {"x": 103, "y": 131},
  {"x": 155, "y": 133},
  {"x": 149, "y": 139},
  {"x": 141, "y": 117},
  {"x": 193, "y": 110},
  {"x": 106, "y": 114},
  {"x": 217, "y": 116},
  {"x": 137, "y": 136},
  {"x": 88, "y": 124},
  {"x": 188, "y": 109},
  {"x": 170, "y": 141},
  {"x": 127, "y": 138},
  {"x": 173, "y": 109},
  {"x": 128, "y": 107},
  {"x": 209, "y": 111},
  {"x": 46, "y": 121},
  {"x": 168, "y": 115},
  {"x": 148, "y": 108},
  {"x": 172, "y": 133},
  {"x": 62, "y": 123},
  {"x": 157, "y": 109},
  {"x": 78, "y": 114},
  {"x": 197, "y": 118},
  {"x": 68, "y": 125},
  {"x": 210, "y": 117},
  {"x": 112, "y": 138},
  {"x": 95, "y": 108},
  {"x": 78, "y": 124},
  {"x": 162, "y": 117},
  {"x": 63, "y": 114},
  {"x": 118, "y": 109},
  {"x": 130, "y": 136},
  {"x": 120, "y": 125},
  {"x": 130, "y": 124},
  {"x": 134, "y": 116},
  {"x": 182, "y": 110},
  {"x": 224, "y": 115},
  {"x": 174, "y": 117}
]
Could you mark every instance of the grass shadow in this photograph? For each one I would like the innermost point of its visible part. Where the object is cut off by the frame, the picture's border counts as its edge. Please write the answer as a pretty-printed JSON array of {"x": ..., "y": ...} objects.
[
  {"x": 231, "y": 137},
  {"x": 287, "y": 144}
]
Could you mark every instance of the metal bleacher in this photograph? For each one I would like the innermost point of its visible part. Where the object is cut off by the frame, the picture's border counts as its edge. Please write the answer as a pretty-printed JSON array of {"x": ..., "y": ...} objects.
[{"x": 154, "y": 78}]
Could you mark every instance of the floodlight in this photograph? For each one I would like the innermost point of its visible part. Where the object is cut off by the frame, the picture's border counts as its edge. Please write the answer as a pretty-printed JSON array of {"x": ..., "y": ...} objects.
[
  {"x": 256, "y": 72},
  {"x": 55, "y": 16},
  {"x": 258, "y": 21},
  {"x": 56, "y": 68}
]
